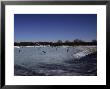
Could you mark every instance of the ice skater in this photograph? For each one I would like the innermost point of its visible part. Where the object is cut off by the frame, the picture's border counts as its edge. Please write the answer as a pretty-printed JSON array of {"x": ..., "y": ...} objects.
[
  {"x": 44, "y": 52},
  {"x": 67, "y": 50},
  {"x": 19, "y": 50}
]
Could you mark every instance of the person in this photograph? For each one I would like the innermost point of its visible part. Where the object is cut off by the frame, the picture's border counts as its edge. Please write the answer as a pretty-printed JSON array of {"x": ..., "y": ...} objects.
[
  {"x": 19, "y": 50},
  {"x": 43, "y": 51},
  {"x": 67, "y": 49}
]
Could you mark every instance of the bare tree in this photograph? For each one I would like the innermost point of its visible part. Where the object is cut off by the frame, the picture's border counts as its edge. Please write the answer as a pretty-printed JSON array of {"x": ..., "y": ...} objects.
[
  {"x": 67, "y": 41},
  {"x": 77, "y": 41},
  {"x": 59, "y": 41}
]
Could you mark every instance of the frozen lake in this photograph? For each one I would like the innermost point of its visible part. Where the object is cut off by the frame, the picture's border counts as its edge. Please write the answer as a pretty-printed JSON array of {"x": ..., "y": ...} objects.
[{"x": 55, "y": 61}]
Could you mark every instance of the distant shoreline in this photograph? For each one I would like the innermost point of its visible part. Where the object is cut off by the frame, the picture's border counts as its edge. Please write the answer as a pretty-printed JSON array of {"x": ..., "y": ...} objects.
[{"x": 59, "y": 43}]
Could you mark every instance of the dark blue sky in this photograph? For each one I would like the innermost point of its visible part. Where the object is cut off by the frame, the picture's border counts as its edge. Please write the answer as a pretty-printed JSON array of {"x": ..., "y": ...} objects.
[{"x": 53, "y": 27}]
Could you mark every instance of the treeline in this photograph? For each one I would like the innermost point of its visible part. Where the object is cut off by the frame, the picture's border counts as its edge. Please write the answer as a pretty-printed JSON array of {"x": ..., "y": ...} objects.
[{"x": 58, "y": 43}]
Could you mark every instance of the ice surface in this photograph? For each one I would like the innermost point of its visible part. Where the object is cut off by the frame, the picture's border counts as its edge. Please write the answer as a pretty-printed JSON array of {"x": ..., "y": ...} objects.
[{"x": 45, "y": 60}]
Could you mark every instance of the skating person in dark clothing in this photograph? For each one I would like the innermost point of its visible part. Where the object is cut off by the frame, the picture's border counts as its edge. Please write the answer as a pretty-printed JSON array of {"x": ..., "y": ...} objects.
[
  {"x": 19, "y": 50},
  {"x": 43, "y": 51},
  {"x": 67, "y": 49}
]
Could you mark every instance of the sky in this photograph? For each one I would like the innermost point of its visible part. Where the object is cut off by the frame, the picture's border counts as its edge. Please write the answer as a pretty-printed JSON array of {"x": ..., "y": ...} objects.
[{"x": 54, "y": 27}]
